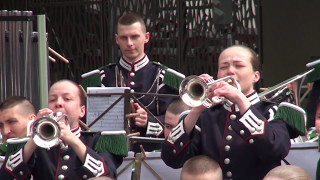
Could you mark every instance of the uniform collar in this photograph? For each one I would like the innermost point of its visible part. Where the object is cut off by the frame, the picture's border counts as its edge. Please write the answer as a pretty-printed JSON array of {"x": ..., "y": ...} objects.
[
  {"x": 136, "y": 65},
  {"x": 76, "y": 131},
  {"x": 252, "y": 97}
]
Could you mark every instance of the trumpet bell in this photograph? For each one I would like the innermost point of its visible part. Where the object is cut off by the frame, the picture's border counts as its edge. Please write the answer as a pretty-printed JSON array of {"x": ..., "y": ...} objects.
[
  {"x": 46, "y": 132},
  {"x": 193, "y": 91}
]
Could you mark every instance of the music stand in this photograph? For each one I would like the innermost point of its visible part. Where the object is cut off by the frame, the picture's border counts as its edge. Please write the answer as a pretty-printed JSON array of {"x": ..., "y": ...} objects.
[{"x": 107, "y": 107}]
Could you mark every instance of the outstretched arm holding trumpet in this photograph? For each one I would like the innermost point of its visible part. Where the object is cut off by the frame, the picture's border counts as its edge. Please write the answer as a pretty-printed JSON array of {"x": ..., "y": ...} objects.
[
  {"x": 78, "y": 155},
  {"x": 241, "y": 133}
]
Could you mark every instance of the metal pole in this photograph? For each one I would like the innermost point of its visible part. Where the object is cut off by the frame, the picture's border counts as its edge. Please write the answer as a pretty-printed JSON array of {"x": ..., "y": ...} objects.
[
  {"x": 43, "y": 60},
  {"x": 3, "y": 56}
]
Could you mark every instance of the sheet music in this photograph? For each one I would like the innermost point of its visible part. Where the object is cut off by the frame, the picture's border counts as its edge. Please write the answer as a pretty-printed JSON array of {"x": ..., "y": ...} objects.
[{"x": 97, "y": 103}]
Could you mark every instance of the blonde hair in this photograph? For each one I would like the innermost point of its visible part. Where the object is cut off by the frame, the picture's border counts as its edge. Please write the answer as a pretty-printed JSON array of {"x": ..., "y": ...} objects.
[
  {"x": 199, "y": 165},
  {"x": 287, "y": 172}
]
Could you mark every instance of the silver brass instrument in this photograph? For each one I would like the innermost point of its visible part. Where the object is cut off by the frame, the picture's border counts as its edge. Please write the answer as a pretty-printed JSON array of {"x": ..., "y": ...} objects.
[
  {"x": 46, "y": 131},
  {"x": 279, "y": 92},
  {"x": 194, "y": 91}
]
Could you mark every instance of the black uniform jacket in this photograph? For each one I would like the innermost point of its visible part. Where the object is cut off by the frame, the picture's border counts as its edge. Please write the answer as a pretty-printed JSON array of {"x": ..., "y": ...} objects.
[
  {"x": 246, "y": 146},
  {"x": 61, "y": 162},
  {"x": 143, "y": 76}
]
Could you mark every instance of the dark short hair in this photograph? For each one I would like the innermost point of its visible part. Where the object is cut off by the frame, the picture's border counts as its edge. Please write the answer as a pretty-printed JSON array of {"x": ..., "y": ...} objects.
[
  {"x": 12, "y": 101},
  {"x": 131, "y": 18},
  {"x": 177, "y": 107}
]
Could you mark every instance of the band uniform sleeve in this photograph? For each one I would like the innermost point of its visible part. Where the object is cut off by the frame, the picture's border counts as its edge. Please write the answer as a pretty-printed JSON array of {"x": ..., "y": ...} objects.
[
  {"x": 98, "y": 163},
  {"x": 263, "y": 131},
  {"x": 179, "y": 146},
  {"x": 14, "y": 167}
]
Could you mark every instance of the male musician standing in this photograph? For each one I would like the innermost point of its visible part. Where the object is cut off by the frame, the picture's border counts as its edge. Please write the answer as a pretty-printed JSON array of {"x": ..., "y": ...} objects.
[
  {"x": 137, "y": 71},
  {"x": 77, "y": 156},
  {"x": 244, "y": 137}
]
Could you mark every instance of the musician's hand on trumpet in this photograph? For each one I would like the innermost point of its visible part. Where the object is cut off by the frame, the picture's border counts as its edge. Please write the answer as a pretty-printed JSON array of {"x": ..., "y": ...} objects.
[
  {"x": 204, "y": 91},
  {"x": 44, "y": 112},
  {"x": 232, "y": 93},
  {"x": 50, "y": 129}
]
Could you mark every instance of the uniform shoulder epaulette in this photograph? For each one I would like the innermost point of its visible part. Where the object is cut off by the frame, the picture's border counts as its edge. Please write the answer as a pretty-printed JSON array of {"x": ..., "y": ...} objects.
[
  {"x": 159, "y": 64},
  {"x": 115, "y": 143},
  {"x": 3, "y": 149},
  {"x": 294, "y": 116},
  {"x": 92, "y": 78},
  {"x": 14, "y": 144},
  {"x": 110, "y": 64},
  {"x": 173, "y": 78}
]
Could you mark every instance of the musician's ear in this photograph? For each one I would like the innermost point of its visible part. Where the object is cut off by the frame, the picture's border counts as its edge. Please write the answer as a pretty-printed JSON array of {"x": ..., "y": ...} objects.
[
  {"x": 32, "y": 117},
  {"x": 256, "y": 76},
  {"x": 82, "y": 111},
  {"x": 116, "y": 37},
  {"x": 147, "y": 37}
]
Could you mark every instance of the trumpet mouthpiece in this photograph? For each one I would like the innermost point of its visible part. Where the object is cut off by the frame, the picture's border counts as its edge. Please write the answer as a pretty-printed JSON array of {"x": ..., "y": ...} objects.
[{"x": 229, "y": 81}]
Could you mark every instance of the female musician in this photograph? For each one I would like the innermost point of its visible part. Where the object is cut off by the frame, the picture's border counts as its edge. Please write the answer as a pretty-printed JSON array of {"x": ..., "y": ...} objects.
[{"x": 244, "y": 138}]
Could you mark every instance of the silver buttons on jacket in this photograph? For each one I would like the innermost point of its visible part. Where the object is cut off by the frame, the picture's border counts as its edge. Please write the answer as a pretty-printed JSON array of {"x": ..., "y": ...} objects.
[
  {"x": 229, "y": 174},
  {"x": 132, "y": 74},
  {"x": 63, "y": 147},
  {"x": 226, "y": 161},
  {"x": 66, "y": 157},
  {"x": 229, "y": 137},
  {"x": 132, "y": 83},
  {"x": 181, "y": 144},
  {"x": 233, "y": 116},
  {"x": 64, "y": 167},
  {"x": 61, "y": 176},
  {"x": 95, "y": 172},
  {"x": 84, "y": 176},
  {"x": 251, "y": 141},
  {"x": 252, "y": 130},
  {"x": 242, "y": 132},
  {"x": 227, "y": 148}
]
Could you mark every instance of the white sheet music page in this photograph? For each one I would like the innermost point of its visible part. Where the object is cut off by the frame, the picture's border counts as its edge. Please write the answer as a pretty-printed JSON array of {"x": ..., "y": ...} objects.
[{"x": 98, "y": 101}]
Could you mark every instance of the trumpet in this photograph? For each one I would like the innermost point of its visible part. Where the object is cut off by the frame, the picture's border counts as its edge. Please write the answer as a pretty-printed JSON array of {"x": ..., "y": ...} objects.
[
  {"x": 194, "y": 91},
  {"x": 46, "y": 131}
]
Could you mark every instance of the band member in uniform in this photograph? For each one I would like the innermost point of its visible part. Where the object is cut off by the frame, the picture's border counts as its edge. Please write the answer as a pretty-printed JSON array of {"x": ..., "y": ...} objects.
[
  {"x": 137, "y": 71},
  {"x": 75, "y": 157},
  {"x": 242, "y": 134},
  {"x": 176, "y": 110},
  {"x": 15, "y": 114}
]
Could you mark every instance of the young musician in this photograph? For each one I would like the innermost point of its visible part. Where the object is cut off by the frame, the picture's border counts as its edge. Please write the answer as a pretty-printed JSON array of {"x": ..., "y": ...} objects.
[
  {"x": 244, "y": 137},
  {"x": 77, "y": 156}
]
